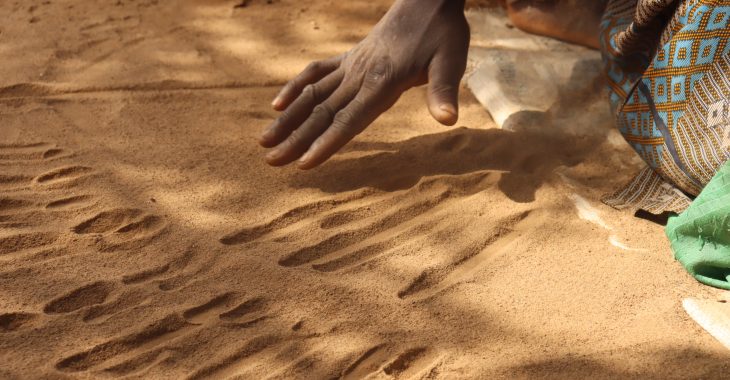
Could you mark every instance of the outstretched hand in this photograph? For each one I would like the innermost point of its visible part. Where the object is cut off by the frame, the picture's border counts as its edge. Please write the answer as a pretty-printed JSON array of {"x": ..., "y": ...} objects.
[{"x": 331, "y": 101}]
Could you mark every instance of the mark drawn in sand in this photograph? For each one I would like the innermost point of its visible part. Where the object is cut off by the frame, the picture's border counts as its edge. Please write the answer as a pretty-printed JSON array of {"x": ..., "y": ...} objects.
[
  {"x": 148, "y": 350},
  {"x": 122, "y": 228},
  {"x": 472, "y": 257},
  {"x": 385, "y": 361},
  {"x": 143, "y": 349},
  {"x": 12, "y": 182},
  {"x": 300, "y": 356},
  {"x": 16, "y": 154},
  {"x": 361, "y": 226},
  {"x": 16, "y": 212},
  {"x": 15, "y": 321},
  {"x": 84, "y": 296},
  {"x": 37, "y": 180},
  {"x": 68, "y": 203},
  {"x": 55, "y": 192},
  {"x": 8, "y": 204},
  {"x": 150, "y": 336},
  {"x": 31, "y": 210},
  {"x": 32, "y": 157},
  {"x": 229, "y": 365},
  {"x": 17, "y": 242},
  {"x": 370, "y": 226},
  {"x": 105, "y": 299},
  {"x": 246, "y": 313},
  {"x": 291, "y": 217},
  {"x": 137, "y": 288},
  {"x": 49, "y": 190},
  {"x": 62, "y": 176}
]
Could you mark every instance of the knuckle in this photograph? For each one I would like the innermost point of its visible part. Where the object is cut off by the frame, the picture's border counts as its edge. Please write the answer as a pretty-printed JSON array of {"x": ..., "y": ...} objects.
[
  {"x": 322, "y": 111},
  {"x": 283, "y": 116},
  {"x": 443, "y": 89},
  {"x": 281, "y": 120},
  {"x": 381, "y": 73},
  {"x": 342, "y": 121},
  {"x": 311, "y": 91},
  {"x": 345, "y": 123},
  {"x": 293, "y": 139},
  {"x": 357, "y": 104}
]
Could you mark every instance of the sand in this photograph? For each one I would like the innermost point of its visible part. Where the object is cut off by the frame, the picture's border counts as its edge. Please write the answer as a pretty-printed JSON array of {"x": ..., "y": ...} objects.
[{"x": 143, "y": 236}]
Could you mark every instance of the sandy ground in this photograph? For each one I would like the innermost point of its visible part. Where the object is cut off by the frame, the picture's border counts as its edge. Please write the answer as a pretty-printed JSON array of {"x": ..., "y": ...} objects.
[{"x": 142, "y": 235}]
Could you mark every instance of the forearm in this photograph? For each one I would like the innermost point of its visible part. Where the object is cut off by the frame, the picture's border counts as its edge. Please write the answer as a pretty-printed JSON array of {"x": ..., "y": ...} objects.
[
  {"x": 416, "y": 15},
  {"x": 431, "y": 22}
]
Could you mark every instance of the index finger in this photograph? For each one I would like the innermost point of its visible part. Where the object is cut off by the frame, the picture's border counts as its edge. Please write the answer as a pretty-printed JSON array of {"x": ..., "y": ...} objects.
[
  {"x": 314, "y": 72},
  {"x": 348, "y": 123}
]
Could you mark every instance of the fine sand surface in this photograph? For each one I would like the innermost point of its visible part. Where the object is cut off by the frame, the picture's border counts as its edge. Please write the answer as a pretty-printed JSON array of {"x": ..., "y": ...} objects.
[{"x": 142, "y": 235}]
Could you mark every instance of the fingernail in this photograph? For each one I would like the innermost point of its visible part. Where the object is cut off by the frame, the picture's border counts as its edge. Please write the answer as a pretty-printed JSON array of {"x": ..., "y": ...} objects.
[
  {"x": 267, "y": 135},
  {"x": 273, "y": 155},
  {"x": 276, "y": 103},
  {"x": 305, "y": 157},
  {"x": 448, "y": 108}
]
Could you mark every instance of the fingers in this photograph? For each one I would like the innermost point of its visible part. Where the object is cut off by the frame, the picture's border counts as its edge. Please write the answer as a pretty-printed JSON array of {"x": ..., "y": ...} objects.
[
  {"x": 375, "y": 97},
  {"x": 444, "y": 76},
  {"x": 347, "y": 124},
  {"x": 311, "y": 74},
  {"x": 320, "y": 118},
  {"x": 299, "y": 110}
]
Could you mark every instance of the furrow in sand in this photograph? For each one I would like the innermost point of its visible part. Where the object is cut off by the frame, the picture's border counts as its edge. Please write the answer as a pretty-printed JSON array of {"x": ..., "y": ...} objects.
[
  {"x": 165, "y": 329},
  {"x": 343, "y": 211},
  {"x": 20, "y": 241},
  {"x": 229, "y": 365},
  {"x": 368, "y": 362},
  {"x": 291, "y": 217},
  {"x": 376, "y": 246},
  {"x": 84, "y": 296},
  {"x": 436, "y": 279},
  {"x": 347, "y": 238},
  {"x": 72, "y": 202},
  {"x": 62, "y": 174}
]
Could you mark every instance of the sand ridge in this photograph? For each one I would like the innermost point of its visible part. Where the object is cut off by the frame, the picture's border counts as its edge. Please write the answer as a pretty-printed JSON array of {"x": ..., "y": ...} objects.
[{"x": 143, "y": 236}]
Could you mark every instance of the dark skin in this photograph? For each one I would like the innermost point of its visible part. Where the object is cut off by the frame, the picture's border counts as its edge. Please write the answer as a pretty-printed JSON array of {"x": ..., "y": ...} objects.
[{"x": 417, "y": 42}]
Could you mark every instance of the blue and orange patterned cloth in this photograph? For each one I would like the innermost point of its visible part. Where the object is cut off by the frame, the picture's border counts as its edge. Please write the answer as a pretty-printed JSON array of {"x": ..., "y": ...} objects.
[{"x": 668, "y": 68}]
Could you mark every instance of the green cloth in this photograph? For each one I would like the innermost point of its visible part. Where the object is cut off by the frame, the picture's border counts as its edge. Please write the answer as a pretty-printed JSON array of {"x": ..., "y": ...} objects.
[{"x": 700, "y": 236}]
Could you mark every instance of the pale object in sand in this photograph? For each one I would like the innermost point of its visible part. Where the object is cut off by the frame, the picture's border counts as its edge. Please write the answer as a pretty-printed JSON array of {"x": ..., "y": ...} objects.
[
  {"x": 713, "y": 316},
  {"x": 513, "y": 72}
]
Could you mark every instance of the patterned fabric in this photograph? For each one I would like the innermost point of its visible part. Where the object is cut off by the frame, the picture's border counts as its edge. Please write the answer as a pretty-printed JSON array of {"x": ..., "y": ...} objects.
[
  {"x": 651, "y": 193},
  {"x": 668, "y": 68}
]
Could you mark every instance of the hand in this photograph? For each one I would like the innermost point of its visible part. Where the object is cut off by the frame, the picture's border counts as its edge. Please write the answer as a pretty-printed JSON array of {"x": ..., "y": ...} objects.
[{"x": 331, "y": 101}]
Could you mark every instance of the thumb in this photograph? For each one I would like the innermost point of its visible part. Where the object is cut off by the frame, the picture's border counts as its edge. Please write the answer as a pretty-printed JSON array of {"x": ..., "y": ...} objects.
[{"x": 444, "y": 75}]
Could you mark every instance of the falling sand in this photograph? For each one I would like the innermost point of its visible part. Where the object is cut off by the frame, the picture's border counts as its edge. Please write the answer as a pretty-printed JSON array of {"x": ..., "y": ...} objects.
[{"x": 143, "y": 236}]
